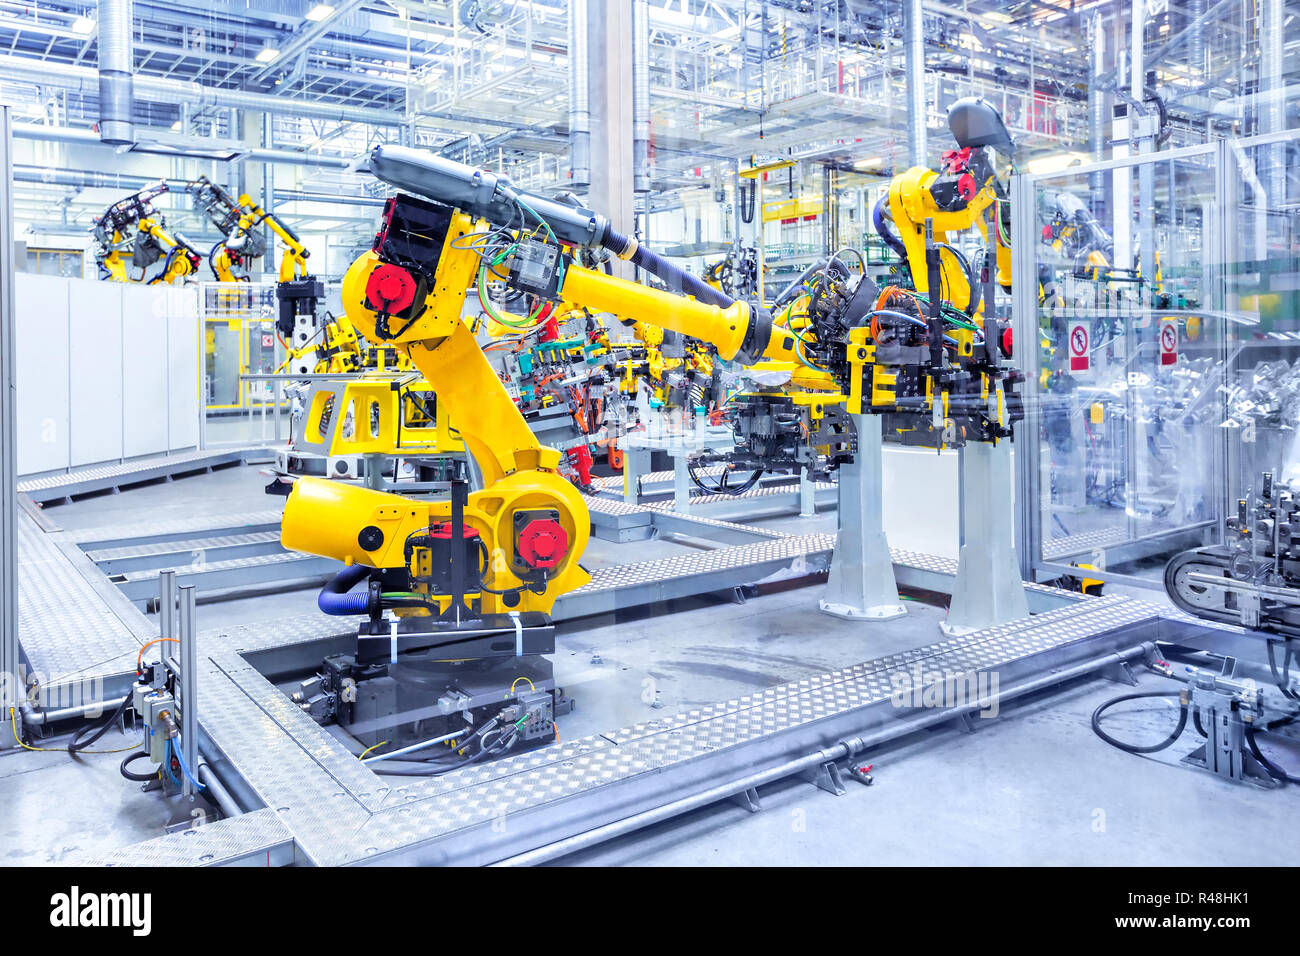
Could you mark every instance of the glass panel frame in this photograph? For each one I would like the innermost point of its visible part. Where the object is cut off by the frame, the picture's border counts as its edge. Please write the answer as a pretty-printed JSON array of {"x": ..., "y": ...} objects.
[{"x": 1222, "y": 260}]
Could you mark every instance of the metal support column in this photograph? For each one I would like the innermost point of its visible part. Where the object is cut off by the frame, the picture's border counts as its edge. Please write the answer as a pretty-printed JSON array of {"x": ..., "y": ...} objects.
[
  {"x": 861, "y": 585},
  {"x": 9, "y": 659},
  {"x": 167, "y": 598},
  {"x": 1024, "y": 325},
  {"x": 636, "y": 465},
  {"x": 807, "y": 495},
  {"x": 988, "y": 589},
  {"x": 681, "y": 483},
  {"x": 189, "y": 633}
]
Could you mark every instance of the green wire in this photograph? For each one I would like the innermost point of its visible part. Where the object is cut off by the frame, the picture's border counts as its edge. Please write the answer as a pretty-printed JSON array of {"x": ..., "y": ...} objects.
[
  {"x": 529, "y": 209},
  {"x": 486, "y": 303}
]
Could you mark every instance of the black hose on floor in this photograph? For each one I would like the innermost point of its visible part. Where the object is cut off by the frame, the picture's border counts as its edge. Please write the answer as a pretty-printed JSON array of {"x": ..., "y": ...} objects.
[
  {"x": 1134, "y": 748},
  {"x": 132, "y": 775},
  {"x": 77, "y": 743},
  {"x": 1274, "y": 771}
]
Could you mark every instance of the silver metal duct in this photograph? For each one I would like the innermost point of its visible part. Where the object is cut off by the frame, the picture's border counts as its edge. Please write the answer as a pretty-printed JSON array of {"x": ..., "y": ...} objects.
[
  {"x": 579, "y": 106},
  {"x": 85, "y": 137},
  {"x": 78, "y": 178},
  {"x": 337, "y": 199},
  {"x": 116, "y": 64},
  {"x": 1097, "y": 105},
  {"x": 1196, "y": 37},
  {"x": 157, "y": 89},
  {"x": 641, "y": 96},
  {"x": 914, "y": 67}
]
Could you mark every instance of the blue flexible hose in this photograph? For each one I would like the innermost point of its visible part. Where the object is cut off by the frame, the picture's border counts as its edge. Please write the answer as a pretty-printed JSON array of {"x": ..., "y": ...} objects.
[
  {"x": 334, "y": 597},
  {"x": 887, "y": 234}
]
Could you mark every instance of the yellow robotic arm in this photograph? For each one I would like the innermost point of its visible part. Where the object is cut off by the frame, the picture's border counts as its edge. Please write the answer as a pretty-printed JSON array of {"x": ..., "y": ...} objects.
[
  {"x": 132, "y": 235},
  {"x": 952, "y": 199},
  {"x": 410, "y": 291}
]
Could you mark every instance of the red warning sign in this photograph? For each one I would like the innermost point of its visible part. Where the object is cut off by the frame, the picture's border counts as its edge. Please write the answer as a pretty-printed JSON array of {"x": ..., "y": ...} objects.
[
  {"x": 1080, "y": 340},
  {"x": 1168, "y": 343}
]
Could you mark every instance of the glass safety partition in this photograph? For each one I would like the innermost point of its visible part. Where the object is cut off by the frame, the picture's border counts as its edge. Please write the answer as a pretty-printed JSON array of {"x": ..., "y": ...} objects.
[
  {"x": 1155, "y": 322},
  {"x": 1261, "y": 293},
  {"x": 241, "y": 347}
]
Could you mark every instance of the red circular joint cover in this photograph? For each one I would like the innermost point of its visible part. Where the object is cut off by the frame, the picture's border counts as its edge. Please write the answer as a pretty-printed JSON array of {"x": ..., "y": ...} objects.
[
  {"x": 966, "y": 186},
  {"x": 543, "y": 543},
  {"x": 390, "y": 289},
  {"x": 1007, "y": 342}
]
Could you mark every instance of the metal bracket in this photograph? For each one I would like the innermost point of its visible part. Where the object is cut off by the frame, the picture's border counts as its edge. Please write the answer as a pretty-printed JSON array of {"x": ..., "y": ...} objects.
[
  {"x": 964, "y": 723},
  {"x": 1225, "y": 753},
  {"x": 1120, "y": 673},
  {"x": 826, "y": 777},
  {"x": 748, "y": 799}
]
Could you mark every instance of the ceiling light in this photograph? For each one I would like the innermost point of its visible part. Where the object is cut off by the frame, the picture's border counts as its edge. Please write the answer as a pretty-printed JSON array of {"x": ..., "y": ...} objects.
[
  {"x": 871, "y": 163},
  {"x": 320, "y": 12},
  {"x": 83, "y": 25},
  {"x": 267, "y": 54},
  {"x": 176, "y": 127}
]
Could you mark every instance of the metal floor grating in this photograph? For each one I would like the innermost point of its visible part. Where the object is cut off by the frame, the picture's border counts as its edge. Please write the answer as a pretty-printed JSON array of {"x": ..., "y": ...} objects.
[
  {"x": 659, "y": 570},
  {"x": 199, "y": 544},
  {"x": 98, "y": 477},
  {"x": 338, "y": 811},
  {"x": 187, "y": 527},
  {"x": 72, "y": 624},
  {"x": 1085, "y": 541},
  {"x": 234, "y": 564}
]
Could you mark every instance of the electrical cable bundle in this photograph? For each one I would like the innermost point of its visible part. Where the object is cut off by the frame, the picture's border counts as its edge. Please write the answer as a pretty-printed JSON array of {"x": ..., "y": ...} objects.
[
  {"x": 502, "y": 740},
  {"x": 722, "y": 485}
]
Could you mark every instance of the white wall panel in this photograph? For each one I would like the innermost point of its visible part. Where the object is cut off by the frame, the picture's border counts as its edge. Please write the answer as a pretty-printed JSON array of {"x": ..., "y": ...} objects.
[
  {"x": 921, "y": 504},
  {"x": 183, "y": 367},
  {"x": 95, "y": 371},
  {"x": 144, "y": 369},
  {"x": 41, "y": 359}
]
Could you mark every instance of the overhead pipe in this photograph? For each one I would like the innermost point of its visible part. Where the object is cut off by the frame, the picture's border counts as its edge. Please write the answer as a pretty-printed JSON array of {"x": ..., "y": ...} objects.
[
  {"x": 641, "y": 96},
  {"x": 78, "y": 178},
  {"x": 85, "y": 80},
  {"x": 579, "y": 105},
  {"x": 298, "y": 195},
  {"x": 291, "y": 157},
  {"x": 86, "y": 137},
  {"x": 116, "y": 65}
]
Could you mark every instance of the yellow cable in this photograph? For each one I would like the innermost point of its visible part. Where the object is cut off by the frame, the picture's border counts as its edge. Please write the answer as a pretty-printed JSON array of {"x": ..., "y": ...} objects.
[
  {"x": 531, "y": 685},
  {"x": 13, "y": 721},
  {"x": 375, "y": 747}
]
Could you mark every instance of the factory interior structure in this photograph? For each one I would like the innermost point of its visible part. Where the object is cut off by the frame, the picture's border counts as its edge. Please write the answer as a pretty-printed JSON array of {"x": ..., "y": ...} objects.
[{"x": 649, "y": 432}]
